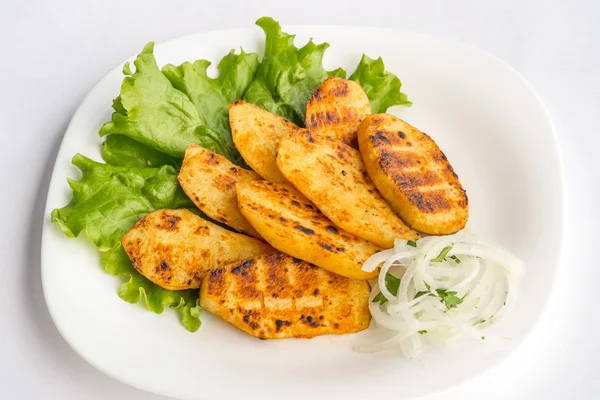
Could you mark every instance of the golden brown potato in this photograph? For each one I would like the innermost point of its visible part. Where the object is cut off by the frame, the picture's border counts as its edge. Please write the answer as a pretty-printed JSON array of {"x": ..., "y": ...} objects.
[
  {"x": 209, "y": 180},
  {"x": 256, "y": 133},
  {"x": 174, "y": 248},
  {"x": 294, "y": 225},
  {"x": 332, "y": 175},
  {"x": 276, "y": 296},
  {"x": 413, "y": 175},
  {"x": 336, "y": 109}
]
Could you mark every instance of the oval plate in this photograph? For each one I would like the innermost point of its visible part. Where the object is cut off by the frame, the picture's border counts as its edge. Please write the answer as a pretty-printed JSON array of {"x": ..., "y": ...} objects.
[{"x": 493, "y": 128}]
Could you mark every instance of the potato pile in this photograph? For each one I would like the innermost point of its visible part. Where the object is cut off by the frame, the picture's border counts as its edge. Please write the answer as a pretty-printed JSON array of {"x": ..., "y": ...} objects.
[{"x": 326, "y": 196}]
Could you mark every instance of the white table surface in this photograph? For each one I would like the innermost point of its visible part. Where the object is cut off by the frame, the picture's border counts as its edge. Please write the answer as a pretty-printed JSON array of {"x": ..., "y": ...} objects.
[{"x": 53, "y": 52}]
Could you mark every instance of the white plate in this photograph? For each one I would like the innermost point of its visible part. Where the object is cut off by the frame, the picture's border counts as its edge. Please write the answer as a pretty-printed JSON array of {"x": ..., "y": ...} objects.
[{"x": 495, "y": 131}]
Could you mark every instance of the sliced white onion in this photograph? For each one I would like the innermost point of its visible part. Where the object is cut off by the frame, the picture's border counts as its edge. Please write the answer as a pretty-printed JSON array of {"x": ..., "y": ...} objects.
[{"x": 483, "y": 278}]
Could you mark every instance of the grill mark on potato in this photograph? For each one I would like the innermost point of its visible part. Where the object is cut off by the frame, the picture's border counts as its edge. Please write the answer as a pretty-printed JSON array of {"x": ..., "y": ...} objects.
[
  {"x": 429, "y": 202},
  {"x": 279, "y": 324},
  {"x": 390, "y": 161},
  {"x": 332, "y": 229},
  {"x": 308, "y": 320},
  {"x": 328, "y": 117},
  {"x": 343, "y": 152},
  {"x": 379, "y": 138},
  {"x": 341, "y": 90},
  {"x": 169, "y": 222},
  {"x": 312, "y": 123},
  {"x": 202, "y": 231},
  {"x": 302, "y": 229},
  {"x": 411, "y": 181},
  {"x": 224, "y": 182},
  {"x": 242, "y": 267},
  {"x": 325, "y": 246},
  {"x": 164, "y": 266},
  {"x": 318, "y": 94},
  {"x": 216, "y": 277},
  {"x": 212, "y": 159}
]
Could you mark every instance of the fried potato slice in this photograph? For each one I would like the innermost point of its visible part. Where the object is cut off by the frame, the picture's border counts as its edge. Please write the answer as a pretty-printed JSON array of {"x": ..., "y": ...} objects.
[
  {"x": 209, "y": 180},
  {"x": 336, "y": 109},
  {"x": 413, "y": 175},
  {"x": 174, "y": 248},
  {"x": 276, "y": 296},
  {"x": 256, "y": 133},
  {"x": 332, "y": 175},
  {"x": 294, "y": 225}
]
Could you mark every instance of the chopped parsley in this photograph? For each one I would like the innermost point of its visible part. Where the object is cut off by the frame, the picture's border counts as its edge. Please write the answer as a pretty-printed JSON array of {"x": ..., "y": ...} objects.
[
  {"x": 411, "y": 243},
  {"x": 449, "y": 298},
  {"x": 392, "y": 284},
  {"x": 442, "y": 254},
  {"x": 456, "y": 259},
  {"x": 422, "y": 332}
]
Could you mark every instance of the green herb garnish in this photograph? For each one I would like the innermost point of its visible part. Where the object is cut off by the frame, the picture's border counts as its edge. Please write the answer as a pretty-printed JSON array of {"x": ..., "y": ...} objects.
[
  {"x": 411, "y": 243},
  {"x": 422, "y": 332},
  {"x": 442, "y": 256},
  {"x": 456, "y": 259},
  {"x": 392, "y": 284},
  {"x": 449, "y": 298}
]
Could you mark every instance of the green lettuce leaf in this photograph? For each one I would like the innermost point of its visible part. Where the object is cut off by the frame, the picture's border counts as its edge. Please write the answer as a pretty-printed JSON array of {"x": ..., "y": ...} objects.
[
  {"x": 287, "y": 76},
  {"x": 212, "y": 96},
  {"x": 122, "y": 151},
  {"x": 382, "y": 87},
  {"x": 137, "y": 287},
  {"x": 108, "y": 199},
  {"x": 152, "y": 112}
]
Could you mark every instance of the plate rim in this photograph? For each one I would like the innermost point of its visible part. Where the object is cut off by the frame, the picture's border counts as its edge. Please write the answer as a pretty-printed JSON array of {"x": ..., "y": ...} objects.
[{"x": 560, "y": 181}]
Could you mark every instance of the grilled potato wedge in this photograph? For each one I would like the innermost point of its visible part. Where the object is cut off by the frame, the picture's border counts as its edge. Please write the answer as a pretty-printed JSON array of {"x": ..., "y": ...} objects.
[
  {"x": 337, "y": 108},
  {"x": 256, "y": 133},
  {"x": 209, "y": 180},
  {"x": 332, "y": 175},
  {"x": 294, "y": 225},
  {"x": 174, "y": 248},
  {"x": 276, "y": 296},
  {"x": 413, "y": 175}
]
